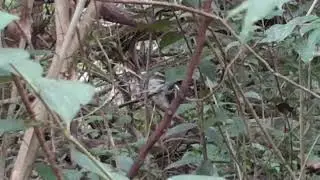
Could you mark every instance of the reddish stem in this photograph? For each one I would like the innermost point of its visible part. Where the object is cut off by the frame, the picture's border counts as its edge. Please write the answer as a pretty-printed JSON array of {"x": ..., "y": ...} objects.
[{"x": 163, "y": 125}]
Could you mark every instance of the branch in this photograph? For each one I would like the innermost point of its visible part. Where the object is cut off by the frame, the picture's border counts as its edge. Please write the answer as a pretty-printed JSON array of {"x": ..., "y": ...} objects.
[
  {"x": 165, "y": 4},
  {"x": 63, "y": 50},
  {"x": 195, "y": 61},
  {"x": 112, "y": 13}
]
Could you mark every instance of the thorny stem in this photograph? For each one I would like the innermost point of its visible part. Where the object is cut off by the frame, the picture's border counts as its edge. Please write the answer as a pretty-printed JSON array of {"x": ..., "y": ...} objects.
[{"x": 195, "y": 61}]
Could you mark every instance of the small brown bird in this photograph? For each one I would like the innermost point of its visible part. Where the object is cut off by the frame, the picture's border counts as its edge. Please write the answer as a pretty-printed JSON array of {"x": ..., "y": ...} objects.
[{"x": 284, "y": 108}]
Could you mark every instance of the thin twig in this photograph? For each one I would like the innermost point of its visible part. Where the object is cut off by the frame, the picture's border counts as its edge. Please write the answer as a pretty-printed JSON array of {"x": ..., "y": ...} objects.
[
  {"x": 146, "y": 86},
  {"x": 263, "y": 129},
  {"x": 37, "y": 130},
  {"x": 202, "y": 123},
  {"x": 239, "y": 168},
  {"x": 231, "y": 151},
  {"x": 312, "y": 7},
  {"x": 301, "y": 118},
  {"x": 308, "y": 155}
]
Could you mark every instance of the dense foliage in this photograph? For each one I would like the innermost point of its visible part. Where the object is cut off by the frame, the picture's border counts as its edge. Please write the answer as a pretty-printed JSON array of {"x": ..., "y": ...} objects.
[{"x": 251, "y": 111}]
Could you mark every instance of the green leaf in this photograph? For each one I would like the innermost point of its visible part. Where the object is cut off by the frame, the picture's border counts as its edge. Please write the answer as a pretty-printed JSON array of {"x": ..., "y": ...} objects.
[
  {"x": 278, "y": 32},
  {"x": 123, "y": 120},
  {"x": 206, "y": 168},
  {"x": 5, "y": 19},
  {"x": 275, "y": 166},
  {"x": 307, "y": 48},
  {"x": 83, "y": 161},
  {"x": 92, "y": 119},
  {"x": 93, "y": 176},
  {"x": 207, "y": 68},
  {"x": 309, "y": 27},
  {"x": 307, "y": 23},
  {"x": 138, "y": 144},
  {"x": 124, "y": 163},
  {"x": 70, "y": 174},
  {"x": 39, "y": 52},
  {"x": 45, "y": 171},
  {"x": 257, "y": 10},
  {"x": 185, "y": 107},
  {"x": 258, "y": 146},
  {"x": 12, "y": 4},
  {"x": 215, "y": 136},
  {"x": 305, "y": 19},
  {"x": 175, "y": 74},
  {"x": 306, "y": 53},
  {"x": 20, "y": 59},
  {"x": 98, "y": 151},
  {"x": 160, "y": 25},
  {"x": 242, "y": 7},
  {"x": 5, "y": 79},
  {"x": 189, "y": 157},
  {"x": 9, "y": 54},
  {"x": 313, "y": 40},
  {"x": 253, "y": 95},
  {"x": 219, "y": 118},
  {"x": 180, "y": 128},
  {"x": 10, "y": 125},
  {"x": 217, "y": 154},
  {"x": 33, "y": 69},
  {"x": 236, "y": 128},
  {"x": 195, "y": 177},
  {"x": 139, "y": 114},
  {"x": 63, "y": 97},
  {"x": 170, "y": 38}
]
